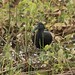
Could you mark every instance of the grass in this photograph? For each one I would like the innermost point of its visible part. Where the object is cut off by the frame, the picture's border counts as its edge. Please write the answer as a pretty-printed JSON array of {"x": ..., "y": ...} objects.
[{"x": 17, "y": 52}]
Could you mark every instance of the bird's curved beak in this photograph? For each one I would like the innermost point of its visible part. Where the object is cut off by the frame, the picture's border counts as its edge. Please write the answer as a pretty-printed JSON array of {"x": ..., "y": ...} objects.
[{"x": 35, "y": 28}]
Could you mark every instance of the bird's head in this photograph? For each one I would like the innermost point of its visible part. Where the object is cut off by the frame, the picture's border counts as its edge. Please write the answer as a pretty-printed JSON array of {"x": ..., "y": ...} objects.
[{"x": 40, "y": 26}]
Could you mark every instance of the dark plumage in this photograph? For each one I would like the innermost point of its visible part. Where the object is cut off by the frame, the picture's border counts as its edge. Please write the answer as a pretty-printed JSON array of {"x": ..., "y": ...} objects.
[{"x": 41, "y": 37}]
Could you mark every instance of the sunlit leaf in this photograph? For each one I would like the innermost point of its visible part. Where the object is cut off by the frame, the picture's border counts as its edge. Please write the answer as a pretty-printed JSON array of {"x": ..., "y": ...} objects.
[{"x": 47, "y": 47}]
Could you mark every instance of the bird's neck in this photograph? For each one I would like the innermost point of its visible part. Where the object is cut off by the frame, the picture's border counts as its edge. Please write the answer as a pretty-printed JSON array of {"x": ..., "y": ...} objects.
[{"x": 40, "y": 31}]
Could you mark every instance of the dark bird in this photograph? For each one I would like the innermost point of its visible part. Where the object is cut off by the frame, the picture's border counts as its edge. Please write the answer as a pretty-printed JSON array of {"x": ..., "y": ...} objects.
[{"x": 41, "y": 37}]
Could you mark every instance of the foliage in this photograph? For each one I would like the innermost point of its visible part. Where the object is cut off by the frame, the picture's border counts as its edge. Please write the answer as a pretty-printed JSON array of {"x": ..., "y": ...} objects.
[{"x": 15, "y": 37}]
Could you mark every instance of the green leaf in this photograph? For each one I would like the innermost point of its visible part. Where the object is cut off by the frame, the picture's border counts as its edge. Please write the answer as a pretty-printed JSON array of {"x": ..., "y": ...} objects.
[
  {"x": 47, "y": 47},
  {"x": 32, "y": 7},
  {"x": 60, "y": 56}
]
